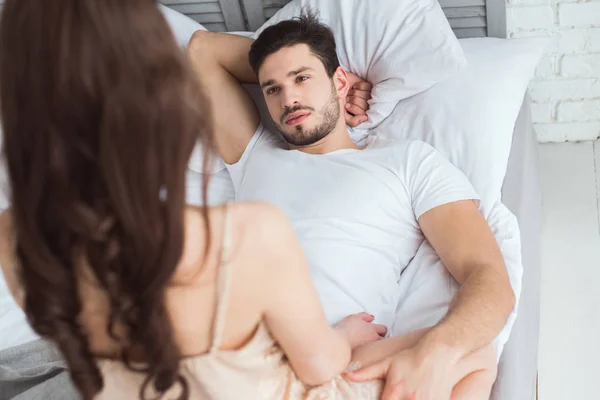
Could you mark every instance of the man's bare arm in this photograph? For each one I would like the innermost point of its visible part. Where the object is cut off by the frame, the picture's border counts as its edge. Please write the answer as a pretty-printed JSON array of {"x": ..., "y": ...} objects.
[
  {"x": 463, "y": 240},
  {"x": 228, "y": 50},
  {"x": 221, "y": 64},
  {"x": 430, "y": 369}
]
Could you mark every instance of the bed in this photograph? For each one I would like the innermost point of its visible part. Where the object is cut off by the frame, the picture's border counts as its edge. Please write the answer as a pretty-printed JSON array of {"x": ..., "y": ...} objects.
[
  {"x": 520, "y": 193},
  {"x": 517, "y": 377}
]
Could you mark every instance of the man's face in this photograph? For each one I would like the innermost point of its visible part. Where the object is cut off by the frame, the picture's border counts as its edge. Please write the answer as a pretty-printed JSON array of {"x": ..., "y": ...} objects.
[{"x": 302, "y": 99}]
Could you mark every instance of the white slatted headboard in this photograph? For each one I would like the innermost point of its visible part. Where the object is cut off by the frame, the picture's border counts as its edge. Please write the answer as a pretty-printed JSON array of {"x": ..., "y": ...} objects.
[
  {"x": 215, "y": 15},
  {"x": 468, "y": 18}
]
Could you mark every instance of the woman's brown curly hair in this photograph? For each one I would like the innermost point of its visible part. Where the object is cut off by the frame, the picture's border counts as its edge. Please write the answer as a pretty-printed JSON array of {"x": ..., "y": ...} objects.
[{"x": 100, "y": 113}]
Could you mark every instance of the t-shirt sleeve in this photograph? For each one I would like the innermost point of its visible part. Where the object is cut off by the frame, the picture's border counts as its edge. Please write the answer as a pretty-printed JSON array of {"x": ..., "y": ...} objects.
[
  {"x": 237, "y": 170},
  {"x": 433, "y": 180}
]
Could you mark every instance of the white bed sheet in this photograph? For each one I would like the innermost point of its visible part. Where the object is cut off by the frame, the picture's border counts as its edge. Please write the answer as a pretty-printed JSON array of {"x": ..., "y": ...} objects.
[{"x": 14, "y": 328}]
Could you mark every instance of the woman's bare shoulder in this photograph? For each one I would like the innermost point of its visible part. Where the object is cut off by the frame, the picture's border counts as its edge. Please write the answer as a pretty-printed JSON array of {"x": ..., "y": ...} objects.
[
  {"x": 257, "y": 227},
  {"x": 252, "y": 226}
]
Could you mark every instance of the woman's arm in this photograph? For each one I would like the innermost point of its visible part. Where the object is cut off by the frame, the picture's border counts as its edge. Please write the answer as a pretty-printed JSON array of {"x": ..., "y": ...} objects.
[{"x": 292, "y": 309}]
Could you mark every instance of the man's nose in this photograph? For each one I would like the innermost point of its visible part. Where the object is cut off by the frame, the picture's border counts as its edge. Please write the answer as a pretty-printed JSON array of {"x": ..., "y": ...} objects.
[{"x": 289, "y": 98}]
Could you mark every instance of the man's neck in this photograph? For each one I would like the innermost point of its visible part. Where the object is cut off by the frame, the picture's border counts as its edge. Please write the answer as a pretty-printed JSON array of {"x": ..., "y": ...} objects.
[{"x": 338, "y": 139}]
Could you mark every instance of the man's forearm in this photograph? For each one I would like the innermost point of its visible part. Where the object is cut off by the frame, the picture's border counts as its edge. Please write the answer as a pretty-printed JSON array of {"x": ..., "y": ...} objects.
[
  {"x": 228, "y": 50},
  {"x": 476, "y": 315}
]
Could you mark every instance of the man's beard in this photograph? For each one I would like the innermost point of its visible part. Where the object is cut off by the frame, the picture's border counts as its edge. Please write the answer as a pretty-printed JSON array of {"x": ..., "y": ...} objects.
[{"x": 302, "y": 137}]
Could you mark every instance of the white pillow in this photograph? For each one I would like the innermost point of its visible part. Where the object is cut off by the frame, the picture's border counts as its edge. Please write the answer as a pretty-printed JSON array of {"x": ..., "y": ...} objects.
[
  {"x": 14, "y": 328},
  {"x": 471, "y": 117},
  {"x": 182, "y": 26},
  {"x": 403, "y": 47}
]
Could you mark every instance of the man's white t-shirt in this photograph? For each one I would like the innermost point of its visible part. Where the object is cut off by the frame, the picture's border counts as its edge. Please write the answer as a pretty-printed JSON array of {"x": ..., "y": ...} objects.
[{"x": 354, "y": 211}]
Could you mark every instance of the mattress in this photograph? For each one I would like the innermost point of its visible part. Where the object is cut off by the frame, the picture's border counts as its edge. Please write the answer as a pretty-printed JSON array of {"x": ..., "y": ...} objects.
[{"x": 521, "y": 193}]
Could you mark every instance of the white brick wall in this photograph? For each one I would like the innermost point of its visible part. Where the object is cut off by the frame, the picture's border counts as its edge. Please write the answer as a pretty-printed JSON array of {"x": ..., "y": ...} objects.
[
  {"x": 581, "y": 65},
  {"x": 594, "y": 43},
  {"x": 530, "y": 18},
  {"x": 586, "y": 110},
  {"x": 566, "y": 88},
  {"x": 579, "y": 14},
  {"x": 568, "y": 131},
  {"x": 549, "y": 90}
]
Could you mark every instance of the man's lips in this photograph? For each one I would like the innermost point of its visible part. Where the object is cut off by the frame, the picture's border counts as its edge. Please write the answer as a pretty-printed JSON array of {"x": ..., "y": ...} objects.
[{"x": 296, "y": 118}]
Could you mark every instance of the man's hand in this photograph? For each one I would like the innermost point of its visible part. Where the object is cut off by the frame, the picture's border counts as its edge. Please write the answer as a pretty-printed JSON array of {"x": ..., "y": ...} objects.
[
  {"x": 359, "y": 329},
  {"x": 357, "y": 100},
  {"x": 413, "y": 374}
]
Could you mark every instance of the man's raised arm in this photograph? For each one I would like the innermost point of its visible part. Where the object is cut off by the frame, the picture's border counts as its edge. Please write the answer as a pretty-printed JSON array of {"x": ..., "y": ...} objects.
[{"x": 221, "y": 64}]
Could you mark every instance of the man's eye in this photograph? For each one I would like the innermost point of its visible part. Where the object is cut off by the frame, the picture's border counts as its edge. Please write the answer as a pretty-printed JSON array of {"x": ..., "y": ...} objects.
[
  {"x": 301, "y": 78},
  {"x": 272, "y": 90}
]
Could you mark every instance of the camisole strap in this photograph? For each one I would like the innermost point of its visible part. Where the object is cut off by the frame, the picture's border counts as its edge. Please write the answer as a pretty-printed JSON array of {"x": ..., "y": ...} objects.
[{"x": 223, "y": 281}]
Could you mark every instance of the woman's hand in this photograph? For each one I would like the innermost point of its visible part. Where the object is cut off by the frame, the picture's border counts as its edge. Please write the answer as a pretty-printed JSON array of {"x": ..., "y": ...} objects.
[{"x": 359, "y": 329}]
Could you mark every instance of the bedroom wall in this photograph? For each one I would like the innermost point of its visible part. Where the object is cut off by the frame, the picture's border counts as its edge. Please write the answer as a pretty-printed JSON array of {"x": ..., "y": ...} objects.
[{"x": 566, "y": 88}]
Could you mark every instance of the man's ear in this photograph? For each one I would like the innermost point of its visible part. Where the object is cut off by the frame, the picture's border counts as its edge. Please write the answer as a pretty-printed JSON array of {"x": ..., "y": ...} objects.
[{"x": 342, "y": 83}]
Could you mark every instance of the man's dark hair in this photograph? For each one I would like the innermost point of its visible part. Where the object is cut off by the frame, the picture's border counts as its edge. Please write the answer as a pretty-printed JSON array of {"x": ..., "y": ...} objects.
[{"x": 305, "y": 29}]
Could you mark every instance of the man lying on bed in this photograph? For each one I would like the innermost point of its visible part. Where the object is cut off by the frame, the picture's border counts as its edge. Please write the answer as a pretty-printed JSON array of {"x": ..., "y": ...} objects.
[{"x": 360, "y": 214}]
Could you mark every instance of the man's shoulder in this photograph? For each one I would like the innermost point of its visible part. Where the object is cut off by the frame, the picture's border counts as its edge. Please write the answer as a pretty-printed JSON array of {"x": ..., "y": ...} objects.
[
  {"x": 399, "y": 146},
  {"x": 407, "y": 154},
  {"x": 263, "y": 141}
]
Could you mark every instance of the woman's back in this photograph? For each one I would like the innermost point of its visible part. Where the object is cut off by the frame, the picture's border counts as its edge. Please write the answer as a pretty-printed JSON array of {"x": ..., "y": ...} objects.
[
  {"x": 215, "y": 305},
  {"x": 216, "y": 312},
  {"x": 100, "y": 113},
  {"x": 212, "y": 302},
  {"x": 192, "y": 294}
]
